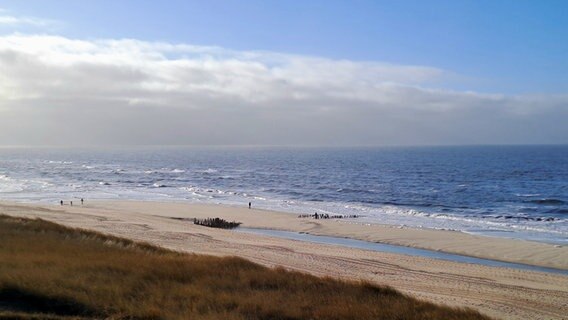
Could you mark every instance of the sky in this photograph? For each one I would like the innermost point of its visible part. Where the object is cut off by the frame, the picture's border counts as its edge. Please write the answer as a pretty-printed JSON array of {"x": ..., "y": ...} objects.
[{"x": 295, "y": 73}]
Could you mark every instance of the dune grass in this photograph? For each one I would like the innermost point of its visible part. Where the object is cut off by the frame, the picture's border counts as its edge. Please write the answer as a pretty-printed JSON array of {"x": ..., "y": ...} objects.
[{"x": 48, "y": 271}]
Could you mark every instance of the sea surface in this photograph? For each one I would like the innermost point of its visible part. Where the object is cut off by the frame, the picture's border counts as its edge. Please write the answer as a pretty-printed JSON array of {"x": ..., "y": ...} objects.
[{"x": 503, "y": 191}]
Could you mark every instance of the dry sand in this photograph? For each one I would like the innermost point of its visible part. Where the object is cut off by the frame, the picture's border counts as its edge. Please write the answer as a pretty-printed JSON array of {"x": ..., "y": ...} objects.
[{"x": 499, "y": 292}]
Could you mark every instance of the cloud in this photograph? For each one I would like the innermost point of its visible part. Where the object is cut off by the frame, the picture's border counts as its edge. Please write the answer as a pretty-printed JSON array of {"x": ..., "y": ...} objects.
[
  {"x": 19, "y": 21},
  {"x": 11, "y": 21},
  {"x": 56, "y": 90}
]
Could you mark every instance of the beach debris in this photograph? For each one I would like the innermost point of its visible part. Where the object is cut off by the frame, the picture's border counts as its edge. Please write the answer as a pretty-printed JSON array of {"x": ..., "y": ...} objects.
[{"x": 216, "y": 223}]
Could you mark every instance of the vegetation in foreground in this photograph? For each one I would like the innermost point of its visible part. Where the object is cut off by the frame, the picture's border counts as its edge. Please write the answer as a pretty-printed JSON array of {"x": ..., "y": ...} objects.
[{"x": 48, "y": 271}]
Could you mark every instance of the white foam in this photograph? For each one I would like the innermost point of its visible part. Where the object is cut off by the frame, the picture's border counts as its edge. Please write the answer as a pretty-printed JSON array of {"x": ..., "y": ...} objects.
[{"x": 159, "y": 185}]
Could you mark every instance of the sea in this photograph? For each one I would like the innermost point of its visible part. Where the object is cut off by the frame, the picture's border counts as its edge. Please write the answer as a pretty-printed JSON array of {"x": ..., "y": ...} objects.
[{"x": 502, "y": 191}]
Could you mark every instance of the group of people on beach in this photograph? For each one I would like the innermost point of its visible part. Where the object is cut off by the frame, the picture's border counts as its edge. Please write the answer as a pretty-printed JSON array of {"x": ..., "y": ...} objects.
[
  {"x": 71, "y": 202},
  {"x": 327, "y": 216},
  {"x": 315, "y": 215}
]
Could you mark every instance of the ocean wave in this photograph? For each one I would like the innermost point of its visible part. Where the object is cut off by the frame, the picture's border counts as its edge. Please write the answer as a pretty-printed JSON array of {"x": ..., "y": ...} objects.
[
  {"x": 195, "y": 189},
  {"x": 13, "y": 185},
  {"x": 413, "y": 204},
  {"x": 523, "y": 218},
  {"x": 558, "y": 211},
  {"x": 207, "y": 171},
  {"x": 527, "y": 194},
  {"x": 9, "y": 185},
  {"x": 225, "y": 178},
  {"x": 163, "y": 171},
  {"x": 159, "y": 185},
  {"x": 357, "y": 191},
  {"x": 547, "y": 201}
]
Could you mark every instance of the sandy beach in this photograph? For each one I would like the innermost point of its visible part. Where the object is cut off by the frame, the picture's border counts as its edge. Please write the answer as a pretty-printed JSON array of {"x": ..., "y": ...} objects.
[{"x": 499, "y": 292}]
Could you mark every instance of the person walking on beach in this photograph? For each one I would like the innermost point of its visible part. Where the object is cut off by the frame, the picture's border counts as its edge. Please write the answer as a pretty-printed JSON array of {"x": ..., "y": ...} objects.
[
  {"x": 61, "y": 202},
  {"x": 250, "y": 204},
  {"x": 81, "y": 201},
  {"x": 71, "y": 203}
]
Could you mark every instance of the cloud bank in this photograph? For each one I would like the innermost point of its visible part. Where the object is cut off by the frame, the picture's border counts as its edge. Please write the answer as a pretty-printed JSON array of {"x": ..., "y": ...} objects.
[{"x": 60, "y": 91}]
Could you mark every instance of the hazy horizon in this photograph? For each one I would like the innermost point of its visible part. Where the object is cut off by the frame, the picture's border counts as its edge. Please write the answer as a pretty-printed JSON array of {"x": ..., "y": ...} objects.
[
  {"x": 239, "y": 146},
  {"x": 327, "y": 74}
]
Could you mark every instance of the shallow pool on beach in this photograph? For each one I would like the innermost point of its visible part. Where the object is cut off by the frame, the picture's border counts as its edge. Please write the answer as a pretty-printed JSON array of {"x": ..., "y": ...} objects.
[{"x": 380, "y": 247}]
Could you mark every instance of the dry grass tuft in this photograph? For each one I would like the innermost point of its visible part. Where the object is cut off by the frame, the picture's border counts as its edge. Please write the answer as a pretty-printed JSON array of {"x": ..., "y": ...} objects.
[{"x": 51, "y": 272}]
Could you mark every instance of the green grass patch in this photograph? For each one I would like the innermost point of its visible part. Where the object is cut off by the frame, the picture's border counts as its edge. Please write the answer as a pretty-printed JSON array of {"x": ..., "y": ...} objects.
[{"x": 48, "y": 271}]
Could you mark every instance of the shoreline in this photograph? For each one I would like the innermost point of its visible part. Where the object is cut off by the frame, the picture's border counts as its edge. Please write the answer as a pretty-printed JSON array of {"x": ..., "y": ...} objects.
[
  {"x": 448, "y": 241},
  {"x": 499, "y": 292},
  {"x": 509, "y": 250}
]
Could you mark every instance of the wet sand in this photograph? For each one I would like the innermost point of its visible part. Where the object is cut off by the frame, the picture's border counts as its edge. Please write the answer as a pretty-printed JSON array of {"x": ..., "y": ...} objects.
[{"x": 500, "y": 292}]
